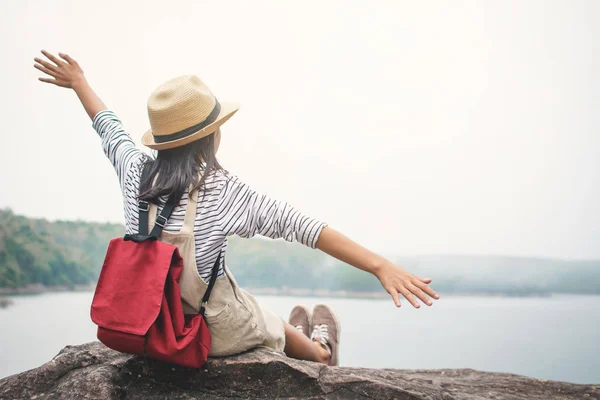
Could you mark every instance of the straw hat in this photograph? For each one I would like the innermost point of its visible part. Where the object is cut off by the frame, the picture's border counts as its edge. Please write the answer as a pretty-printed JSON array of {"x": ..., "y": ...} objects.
[{"x": 183, "y": 110}]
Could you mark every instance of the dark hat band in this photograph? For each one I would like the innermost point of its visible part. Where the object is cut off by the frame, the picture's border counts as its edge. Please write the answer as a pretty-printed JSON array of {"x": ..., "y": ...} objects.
[{"x": 212, "y": 117}]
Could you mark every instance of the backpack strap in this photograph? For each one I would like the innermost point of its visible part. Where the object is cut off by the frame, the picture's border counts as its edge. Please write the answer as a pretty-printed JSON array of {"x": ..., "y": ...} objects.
[
  {"x": 211, "y": 284},
  {"x": 144, "y": 207},
  {"x": 163, "y": 217}
]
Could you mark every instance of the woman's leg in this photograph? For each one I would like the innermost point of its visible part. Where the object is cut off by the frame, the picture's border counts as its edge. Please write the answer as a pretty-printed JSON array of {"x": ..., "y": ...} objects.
[{"x": 298, "y": 346}]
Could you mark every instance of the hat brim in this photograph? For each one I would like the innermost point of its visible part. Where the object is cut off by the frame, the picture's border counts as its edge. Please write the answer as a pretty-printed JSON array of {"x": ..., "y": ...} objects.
[{"x": 227, "y": 111}]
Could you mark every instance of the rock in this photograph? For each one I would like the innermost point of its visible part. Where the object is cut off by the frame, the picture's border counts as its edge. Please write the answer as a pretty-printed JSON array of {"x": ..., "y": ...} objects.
[{"x": 93, "y": 371}]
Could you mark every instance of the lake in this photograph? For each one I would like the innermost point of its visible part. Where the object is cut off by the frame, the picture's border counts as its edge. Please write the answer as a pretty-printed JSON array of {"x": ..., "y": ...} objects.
[{"x": 548, "y": 338}]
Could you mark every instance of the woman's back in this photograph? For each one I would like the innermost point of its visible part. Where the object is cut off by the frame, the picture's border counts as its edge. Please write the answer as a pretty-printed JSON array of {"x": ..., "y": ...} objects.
[{"x": 226, "y": 206}]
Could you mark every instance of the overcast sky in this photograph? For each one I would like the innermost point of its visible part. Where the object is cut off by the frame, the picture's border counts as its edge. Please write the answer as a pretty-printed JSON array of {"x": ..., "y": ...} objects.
[{"x": 463, "y": 127}]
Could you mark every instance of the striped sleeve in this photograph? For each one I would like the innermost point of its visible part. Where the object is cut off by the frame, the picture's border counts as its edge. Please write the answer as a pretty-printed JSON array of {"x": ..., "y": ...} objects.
[
  {"x": 246, "y": 213},
  {"x": 117, "y": 144}
]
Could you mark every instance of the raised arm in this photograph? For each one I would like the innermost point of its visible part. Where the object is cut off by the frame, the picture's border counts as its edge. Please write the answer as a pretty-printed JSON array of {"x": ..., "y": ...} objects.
[
  {"x": 117, "y": 144},
  {"x": 68, "y": 74}
]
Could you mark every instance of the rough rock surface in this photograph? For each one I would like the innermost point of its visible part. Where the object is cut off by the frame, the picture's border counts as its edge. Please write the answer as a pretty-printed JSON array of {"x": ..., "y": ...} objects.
[{"x": 92, "y": 371}]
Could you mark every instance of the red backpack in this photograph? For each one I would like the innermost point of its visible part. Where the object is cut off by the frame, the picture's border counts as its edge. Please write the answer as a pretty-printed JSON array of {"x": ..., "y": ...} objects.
[{"x": 137, "y": 304}]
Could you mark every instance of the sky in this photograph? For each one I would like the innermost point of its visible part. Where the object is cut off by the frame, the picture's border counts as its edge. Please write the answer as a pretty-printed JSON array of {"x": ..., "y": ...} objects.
[{"x": 463, "y": 127}]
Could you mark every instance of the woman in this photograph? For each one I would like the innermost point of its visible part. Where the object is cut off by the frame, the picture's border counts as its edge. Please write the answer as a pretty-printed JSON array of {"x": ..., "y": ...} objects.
[{"x": 185, "y": 120}]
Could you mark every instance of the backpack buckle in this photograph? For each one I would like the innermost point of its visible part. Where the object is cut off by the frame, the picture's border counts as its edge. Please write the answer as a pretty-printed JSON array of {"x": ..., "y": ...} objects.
[
  {"x": 161, "y": 221},
  {"x": 143, "y": 205}
]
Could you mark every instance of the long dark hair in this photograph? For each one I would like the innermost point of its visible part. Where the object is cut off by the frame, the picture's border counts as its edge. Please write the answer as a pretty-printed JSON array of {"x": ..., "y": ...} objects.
[{"x": 179, "y": 168}]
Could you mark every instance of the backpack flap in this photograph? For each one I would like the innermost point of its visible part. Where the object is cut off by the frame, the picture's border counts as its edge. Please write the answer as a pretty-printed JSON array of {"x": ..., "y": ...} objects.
[{"x": 131, "y": 285}]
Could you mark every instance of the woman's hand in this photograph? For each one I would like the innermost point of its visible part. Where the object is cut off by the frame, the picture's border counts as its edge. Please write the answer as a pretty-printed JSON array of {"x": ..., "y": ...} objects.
[
  {"x": 393, "y": 278},
  {"x": 66, "y": 72},
  {"x": 396, "y": 280}
]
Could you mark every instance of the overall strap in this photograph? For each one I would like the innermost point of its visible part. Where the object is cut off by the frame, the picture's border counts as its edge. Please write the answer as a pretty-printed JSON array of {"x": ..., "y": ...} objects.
[
  {"x": 192, "y": 206},
  {"x": 211, "y": 284},
  {"x": 189, "y": 219}
]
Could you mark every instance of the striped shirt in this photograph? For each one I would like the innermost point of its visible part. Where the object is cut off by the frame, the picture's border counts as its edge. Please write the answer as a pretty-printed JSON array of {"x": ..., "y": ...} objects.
[{"x": 228, "y": 207}]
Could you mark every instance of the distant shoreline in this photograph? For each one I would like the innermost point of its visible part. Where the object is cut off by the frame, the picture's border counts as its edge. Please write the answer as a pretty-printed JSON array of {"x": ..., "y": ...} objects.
[
  {"x": 38, "y": 289},
  {"x": 285, "y": 291}
]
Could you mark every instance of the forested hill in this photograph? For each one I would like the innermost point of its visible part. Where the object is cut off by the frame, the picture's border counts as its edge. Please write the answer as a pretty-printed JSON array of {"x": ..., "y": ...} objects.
[
  {"x": 35, "y": 251},
  {"x": 51, "y": 253}
]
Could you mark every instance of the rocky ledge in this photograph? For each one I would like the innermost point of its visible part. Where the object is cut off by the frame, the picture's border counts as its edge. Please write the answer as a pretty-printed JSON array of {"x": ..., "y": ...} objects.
[{"x": 92, "y": 371}]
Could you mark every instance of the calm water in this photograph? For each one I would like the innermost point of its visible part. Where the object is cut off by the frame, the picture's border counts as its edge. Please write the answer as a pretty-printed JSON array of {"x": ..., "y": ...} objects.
[{"x": 549, "y": 338}]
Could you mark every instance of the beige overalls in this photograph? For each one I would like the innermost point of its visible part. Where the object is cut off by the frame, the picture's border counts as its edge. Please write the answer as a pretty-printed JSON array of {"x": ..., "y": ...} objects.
[{"x": 235, "y": 319}]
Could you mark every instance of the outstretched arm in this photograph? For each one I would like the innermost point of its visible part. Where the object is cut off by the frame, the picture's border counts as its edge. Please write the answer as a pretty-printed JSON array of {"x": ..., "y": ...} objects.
[
  {"x": 67, "y": 73},
  {"x": 246, "y": 213},
  {"x": 394, "y": 279}
]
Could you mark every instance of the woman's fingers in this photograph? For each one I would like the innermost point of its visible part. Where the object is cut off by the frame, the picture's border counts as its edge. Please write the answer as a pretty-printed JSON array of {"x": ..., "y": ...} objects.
[
  {"x": 420, "y": 294},
  {"x": 54, "y": 82},
  {"x": 404, "y": 291},
  {"x": 52, "y": 58},
  {"x": 397, "y": 281},
  {"x": 67, "y": 58},
  {"x": 427, "y": 289},
  {"x": 47, "y": 80},
  {"x": 394, "y": 295},
  {"x": 45, "y": 70},
  {"x": 46, "y": 64}
]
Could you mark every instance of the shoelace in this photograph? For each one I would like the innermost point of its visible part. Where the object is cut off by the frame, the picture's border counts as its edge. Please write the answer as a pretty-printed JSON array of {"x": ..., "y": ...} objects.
[
  {"x": 300, "y": 328},
  {"x": 321, "y": 334}
]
